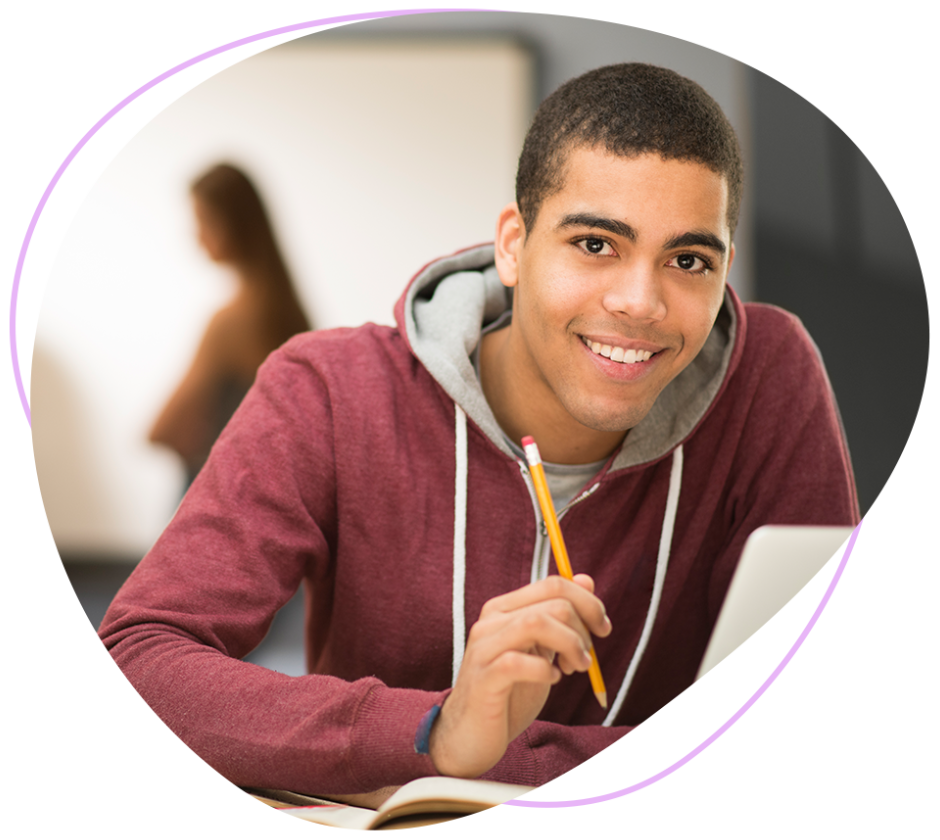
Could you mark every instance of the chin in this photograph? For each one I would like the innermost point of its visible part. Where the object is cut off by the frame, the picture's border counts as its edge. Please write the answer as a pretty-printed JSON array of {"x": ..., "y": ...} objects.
[{"x": 619, "y": 420}]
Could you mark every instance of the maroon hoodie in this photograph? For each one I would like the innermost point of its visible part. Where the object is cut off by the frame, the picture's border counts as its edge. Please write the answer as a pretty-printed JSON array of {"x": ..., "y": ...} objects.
[{"x": 350, "y": 468}]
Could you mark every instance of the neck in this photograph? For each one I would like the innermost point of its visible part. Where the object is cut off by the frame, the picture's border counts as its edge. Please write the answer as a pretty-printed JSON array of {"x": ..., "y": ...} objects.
[{"x": 520, "y": 409}]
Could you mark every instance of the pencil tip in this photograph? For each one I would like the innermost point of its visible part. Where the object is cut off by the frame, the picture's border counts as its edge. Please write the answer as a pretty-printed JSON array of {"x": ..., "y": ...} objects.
[{"x": 602, "y": 698}]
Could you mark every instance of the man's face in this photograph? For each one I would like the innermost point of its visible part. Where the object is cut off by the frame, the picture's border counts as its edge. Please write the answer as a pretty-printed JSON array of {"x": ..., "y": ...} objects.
[{"x": 617, "y": 285}]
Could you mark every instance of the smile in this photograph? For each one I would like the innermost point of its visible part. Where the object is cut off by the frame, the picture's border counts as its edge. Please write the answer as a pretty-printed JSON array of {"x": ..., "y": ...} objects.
[{"x": 617, "y": 354}]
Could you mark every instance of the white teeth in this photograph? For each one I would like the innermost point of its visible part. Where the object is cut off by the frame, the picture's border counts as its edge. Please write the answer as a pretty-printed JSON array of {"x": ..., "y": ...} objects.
[{"x": 618, "y": 354}]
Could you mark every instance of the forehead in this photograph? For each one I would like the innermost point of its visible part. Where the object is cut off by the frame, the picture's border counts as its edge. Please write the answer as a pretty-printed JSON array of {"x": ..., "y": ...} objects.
[{"x": 644, "y": 191}]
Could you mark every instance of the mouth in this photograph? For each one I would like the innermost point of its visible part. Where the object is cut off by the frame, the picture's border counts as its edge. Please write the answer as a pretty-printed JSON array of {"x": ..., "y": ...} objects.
[{"x": 618, "y": 354}]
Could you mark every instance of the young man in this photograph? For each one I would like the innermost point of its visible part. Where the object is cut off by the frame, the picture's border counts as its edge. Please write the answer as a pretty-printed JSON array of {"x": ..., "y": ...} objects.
[{"x": 381, "y": 468}]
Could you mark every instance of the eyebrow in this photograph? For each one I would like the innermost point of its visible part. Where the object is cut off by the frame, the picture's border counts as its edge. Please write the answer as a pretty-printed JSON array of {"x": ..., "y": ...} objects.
[
  {"x": 696, "y": 237},
  {"x": 614, "y": 226},
  {"x": 685, "y": 240}
]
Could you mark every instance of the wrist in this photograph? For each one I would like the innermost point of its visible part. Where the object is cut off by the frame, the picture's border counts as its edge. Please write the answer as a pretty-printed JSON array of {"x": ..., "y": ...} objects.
[
  {"x": 437, "y": 748},
  {"x": 452, "y": 751}
]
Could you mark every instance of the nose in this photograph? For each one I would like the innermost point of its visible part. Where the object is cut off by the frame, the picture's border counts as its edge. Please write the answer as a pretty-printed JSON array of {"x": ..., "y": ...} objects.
[{"x": 636, "y": 292}]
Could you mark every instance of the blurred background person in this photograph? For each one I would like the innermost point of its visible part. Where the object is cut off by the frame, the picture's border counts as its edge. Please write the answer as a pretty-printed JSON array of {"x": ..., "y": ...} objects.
[{"x": 234, "y": 230}]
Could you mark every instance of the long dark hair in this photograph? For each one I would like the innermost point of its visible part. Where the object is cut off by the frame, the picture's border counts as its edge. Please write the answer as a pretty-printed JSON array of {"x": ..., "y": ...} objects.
[{"x": 249, "y": 242}]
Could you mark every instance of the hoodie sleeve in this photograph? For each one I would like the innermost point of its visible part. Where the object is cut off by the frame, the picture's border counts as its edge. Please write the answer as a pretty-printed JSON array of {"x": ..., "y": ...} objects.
[{"x": 259, "y": 519}]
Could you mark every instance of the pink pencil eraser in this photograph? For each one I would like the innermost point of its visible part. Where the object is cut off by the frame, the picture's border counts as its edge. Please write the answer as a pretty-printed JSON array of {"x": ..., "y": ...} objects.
[{"x": 526, "y": 441}]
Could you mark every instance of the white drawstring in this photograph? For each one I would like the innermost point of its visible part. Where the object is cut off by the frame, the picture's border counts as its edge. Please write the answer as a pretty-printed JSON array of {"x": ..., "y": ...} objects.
[
  {"x": 662, "y": 563},
  {"x": 460, "y": 539}
]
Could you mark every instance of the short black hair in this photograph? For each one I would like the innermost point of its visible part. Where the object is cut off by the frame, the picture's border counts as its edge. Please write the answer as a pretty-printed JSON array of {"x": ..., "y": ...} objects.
[{"x": 629, "y": 110}]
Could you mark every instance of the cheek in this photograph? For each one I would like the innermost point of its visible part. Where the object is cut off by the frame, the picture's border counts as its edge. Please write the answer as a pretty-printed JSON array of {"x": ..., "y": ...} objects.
[
  {"x": 695, "y": 317},
  {"x": 558, "y": 295}
]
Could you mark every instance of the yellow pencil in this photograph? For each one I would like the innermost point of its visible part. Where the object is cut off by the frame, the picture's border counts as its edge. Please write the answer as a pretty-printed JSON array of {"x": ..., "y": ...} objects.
[{"x": 558, "y": 548}]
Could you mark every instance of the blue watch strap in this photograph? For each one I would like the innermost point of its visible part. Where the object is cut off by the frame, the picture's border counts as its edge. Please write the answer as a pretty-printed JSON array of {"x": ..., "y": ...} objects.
[{"x": 423, "y": 735}]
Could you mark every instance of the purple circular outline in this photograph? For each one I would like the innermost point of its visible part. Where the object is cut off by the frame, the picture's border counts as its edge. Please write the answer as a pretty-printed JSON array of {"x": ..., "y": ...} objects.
[
  {"x": 570, "y": 803},
  {"x": 309, "y": 25},
  {"x": 17, "y": 375}
]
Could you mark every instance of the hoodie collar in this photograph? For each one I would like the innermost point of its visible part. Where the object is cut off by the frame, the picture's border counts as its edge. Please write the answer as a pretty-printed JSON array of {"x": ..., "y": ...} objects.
[{"x": 450, "y": 301}]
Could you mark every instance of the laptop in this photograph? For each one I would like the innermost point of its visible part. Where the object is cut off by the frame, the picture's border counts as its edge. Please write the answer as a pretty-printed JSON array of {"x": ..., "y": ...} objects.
[{"x": 777, "y": 562}]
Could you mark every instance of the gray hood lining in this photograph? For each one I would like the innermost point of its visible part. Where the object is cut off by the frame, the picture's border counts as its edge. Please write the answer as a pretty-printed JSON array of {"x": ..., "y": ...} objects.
[{"x": 452, "y": 300}]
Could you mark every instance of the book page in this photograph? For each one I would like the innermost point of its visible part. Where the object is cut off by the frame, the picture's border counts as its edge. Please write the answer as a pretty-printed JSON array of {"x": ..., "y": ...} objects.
[
  {"x": 420, "y": 802},
  {"x": 467, "y": 795},
  {"x": 341, "y": 816}
]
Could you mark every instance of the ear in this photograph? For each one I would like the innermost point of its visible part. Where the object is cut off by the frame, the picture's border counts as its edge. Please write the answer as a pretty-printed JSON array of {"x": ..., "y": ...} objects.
[
  {"x": 730, "y": 257},
  {"x": 510, "y": 236}
]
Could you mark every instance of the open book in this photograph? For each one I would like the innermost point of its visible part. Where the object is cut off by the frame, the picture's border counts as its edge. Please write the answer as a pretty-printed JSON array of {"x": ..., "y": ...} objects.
[{"x": 420, "y": 802}]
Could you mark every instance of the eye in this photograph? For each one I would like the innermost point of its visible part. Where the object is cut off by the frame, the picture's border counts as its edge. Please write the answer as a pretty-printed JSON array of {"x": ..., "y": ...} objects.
[
  {"x": 596, "y": 246},
  {"x": 691, "y": 263}
]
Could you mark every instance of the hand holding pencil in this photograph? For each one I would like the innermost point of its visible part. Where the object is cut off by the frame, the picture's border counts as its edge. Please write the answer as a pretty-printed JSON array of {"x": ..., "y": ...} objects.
[
  {"x": 520, "y": 646},
  {"x": 558, "y": 548}
]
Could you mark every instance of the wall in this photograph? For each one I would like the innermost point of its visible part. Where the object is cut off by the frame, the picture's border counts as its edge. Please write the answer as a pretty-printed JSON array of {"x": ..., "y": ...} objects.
[
  {"x": 820, "y": 235},
  {"x": 353, "y": 146}
]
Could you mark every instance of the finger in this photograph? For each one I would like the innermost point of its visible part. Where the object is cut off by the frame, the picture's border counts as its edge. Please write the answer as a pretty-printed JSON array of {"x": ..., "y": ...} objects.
[
  {"x": 553, "y": 586},
  {"x": 587, "y": 582},
  {"x": 513, "y": 666},
  {"x": 528, "y": 620},
  {"x": 551, "y": 625},
  {"x": 563, "y": 610},
  {"x": 586, "y": 604},
  {"x": 565, "y": 666}
]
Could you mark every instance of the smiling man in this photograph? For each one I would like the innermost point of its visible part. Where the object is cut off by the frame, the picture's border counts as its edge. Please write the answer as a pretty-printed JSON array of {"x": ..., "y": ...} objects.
[
  {"x": 381, "y": 468},
  {"x": 617, "y": 288}
]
